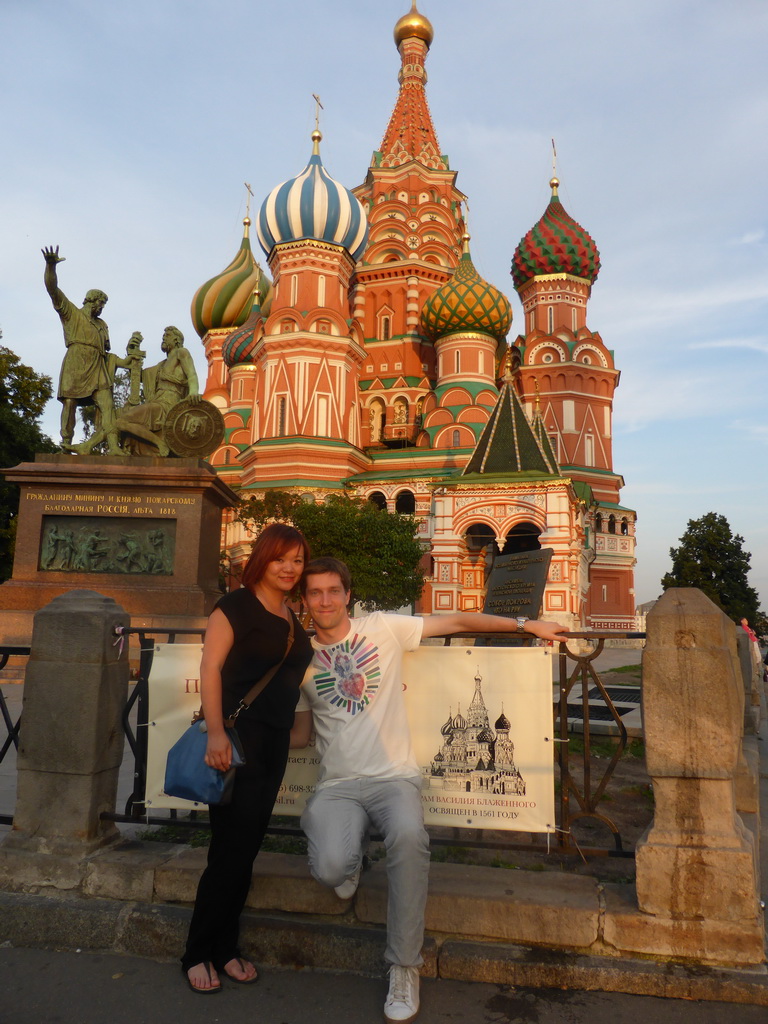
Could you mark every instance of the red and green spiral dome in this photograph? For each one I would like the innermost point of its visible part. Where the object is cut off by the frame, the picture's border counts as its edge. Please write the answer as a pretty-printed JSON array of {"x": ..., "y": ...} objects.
[{"x": 557, "y": 244}]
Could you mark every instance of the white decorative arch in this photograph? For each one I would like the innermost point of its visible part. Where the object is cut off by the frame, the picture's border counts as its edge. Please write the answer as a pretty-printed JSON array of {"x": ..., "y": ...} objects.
[
  {"x": 540, "y": 348},
  {"x": 583, "y": 347}
]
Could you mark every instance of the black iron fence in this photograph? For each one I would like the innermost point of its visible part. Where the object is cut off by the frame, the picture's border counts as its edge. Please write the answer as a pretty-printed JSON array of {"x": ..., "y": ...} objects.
[{"x": 581, "y": 699}]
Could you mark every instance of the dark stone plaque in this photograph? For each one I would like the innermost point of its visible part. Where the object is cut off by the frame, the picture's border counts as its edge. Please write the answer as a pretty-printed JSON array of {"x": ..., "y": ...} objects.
[{"x": 516, "y": 584}]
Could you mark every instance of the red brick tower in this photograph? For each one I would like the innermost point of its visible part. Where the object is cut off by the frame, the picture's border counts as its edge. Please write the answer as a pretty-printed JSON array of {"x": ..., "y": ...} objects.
[
  {"x": 416, "y": 224},
  {"x": 568, "y": 379}
]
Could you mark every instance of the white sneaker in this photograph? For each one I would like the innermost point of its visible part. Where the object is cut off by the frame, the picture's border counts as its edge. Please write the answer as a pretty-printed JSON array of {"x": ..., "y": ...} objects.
[
  {"x": 348, "y": 887},
  {"x": 402, "y": 1004}
]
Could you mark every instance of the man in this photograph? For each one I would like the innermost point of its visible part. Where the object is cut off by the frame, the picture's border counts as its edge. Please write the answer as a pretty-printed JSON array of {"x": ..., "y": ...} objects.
[
  {"x": 84, "y": 378},
  {"x": 368, "y": 778},
  {"x": 165, "y": 385}
]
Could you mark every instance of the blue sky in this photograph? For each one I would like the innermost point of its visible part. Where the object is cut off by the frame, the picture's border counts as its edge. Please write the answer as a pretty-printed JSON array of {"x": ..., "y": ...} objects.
[{"x": 130, "y": 128}]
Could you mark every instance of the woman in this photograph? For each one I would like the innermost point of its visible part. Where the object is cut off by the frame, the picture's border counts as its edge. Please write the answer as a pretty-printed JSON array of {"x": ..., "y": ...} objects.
[{"x": 247, "y": 635}]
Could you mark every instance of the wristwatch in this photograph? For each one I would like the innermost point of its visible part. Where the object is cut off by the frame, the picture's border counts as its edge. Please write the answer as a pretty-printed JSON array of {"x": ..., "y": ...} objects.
[{"x": 521, "y": 621}]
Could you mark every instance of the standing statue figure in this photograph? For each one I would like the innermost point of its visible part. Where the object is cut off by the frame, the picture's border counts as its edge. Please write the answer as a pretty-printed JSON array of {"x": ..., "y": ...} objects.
[
  {"x": 84, "y": 376},
  {"x": 165, "y": 385}
]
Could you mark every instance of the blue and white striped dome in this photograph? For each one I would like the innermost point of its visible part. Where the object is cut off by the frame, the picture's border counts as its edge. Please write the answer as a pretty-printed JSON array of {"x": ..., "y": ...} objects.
[{"x": 313, "y": 205}]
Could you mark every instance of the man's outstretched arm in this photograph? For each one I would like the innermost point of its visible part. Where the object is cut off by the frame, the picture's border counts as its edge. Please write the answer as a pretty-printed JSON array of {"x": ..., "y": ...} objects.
[{"x": 479, "y": 622}]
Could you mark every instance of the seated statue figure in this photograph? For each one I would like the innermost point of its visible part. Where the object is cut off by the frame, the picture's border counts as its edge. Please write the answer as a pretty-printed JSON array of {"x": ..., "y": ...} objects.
[{"x": 165, "y": 385}]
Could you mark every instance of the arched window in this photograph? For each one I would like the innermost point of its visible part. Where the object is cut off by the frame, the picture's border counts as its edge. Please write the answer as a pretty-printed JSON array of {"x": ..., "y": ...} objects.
[
  {"x": 624, "y": 527},
  {"x": 456, "y": 439},
  {"x": 281, "y": 417},
  {"x": 378, "y": 499},
  {"x": 589, "y": 450},
  {"x": 611, "y": 524},
  {"x": 405, "y": 502},
  {"x": 376, "y": 420},
  {"x": 522, "y": 537},
  {"x": 598, "y": 523},
  {"x": 550, "y": 319},
  {"x": 385, "y": 328}
]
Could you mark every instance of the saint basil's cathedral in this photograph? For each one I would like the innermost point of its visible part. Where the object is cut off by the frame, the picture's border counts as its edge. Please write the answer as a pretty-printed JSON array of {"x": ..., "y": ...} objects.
[{"x": 375, "y": 363}]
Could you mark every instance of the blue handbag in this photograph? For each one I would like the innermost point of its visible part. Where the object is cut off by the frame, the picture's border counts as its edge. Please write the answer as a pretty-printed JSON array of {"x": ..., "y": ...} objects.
[
  {"x": 188, "y": 776},
  {"x": 186, "y": 773}
]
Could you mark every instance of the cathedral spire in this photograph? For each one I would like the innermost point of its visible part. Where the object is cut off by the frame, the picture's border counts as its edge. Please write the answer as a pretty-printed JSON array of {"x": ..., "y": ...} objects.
[
  {"x": 509, "y": 443},
  {"x": 410, "y": 134}
]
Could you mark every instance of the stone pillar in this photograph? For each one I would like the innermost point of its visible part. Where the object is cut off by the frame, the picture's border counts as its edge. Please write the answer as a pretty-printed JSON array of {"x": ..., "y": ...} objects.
[
  {"x": 71, "y": 738},
  {"x": 696, "y": 865}
]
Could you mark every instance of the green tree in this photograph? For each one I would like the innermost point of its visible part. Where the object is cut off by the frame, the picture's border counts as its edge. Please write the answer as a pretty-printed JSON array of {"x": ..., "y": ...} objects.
[
  {"x": 713, "y": 559},
  {"x": 23, "y": 396},
  {"x": 379, "y": 547}
]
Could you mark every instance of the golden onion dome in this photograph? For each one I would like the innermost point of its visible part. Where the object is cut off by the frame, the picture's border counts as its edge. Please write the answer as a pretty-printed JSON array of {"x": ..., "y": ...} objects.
[{"x": 414, "y": 25}]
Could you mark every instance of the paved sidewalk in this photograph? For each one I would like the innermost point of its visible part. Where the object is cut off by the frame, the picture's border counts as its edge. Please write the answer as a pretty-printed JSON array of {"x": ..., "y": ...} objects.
[{"x": 43, "y": 987}]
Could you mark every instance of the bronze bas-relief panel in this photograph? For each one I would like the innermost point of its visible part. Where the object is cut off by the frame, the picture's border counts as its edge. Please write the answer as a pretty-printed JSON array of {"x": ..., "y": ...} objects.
[{"x": 137, "y": 547}]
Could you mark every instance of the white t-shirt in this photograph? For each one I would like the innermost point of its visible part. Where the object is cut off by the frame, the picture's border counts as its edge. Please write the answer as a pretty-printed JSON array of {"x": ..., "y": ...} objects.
[{"x": 354, "y": 690}]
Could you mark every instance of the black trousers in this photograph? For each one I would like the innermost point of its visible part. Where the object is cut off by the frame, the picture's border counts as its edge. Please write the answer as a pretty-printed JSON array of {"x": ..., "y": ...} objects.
[{"x": 237, "y": 832}]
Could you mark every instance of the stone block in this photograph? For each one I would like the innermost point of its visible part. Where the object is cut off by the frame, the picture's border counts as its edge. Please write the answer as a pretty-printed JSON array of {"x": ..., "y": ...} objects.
[
  {"x": 694, "y": 882},
  {"x": 695, "y": 812},
  {"x": 702, "y": 941},
  {"x": 177, "y": 877},
  {"x": 67, "y": 921},
  {"x": 126, "y": 872},
  {"x": 747, "y": 781},
  {"x": 64, "y": 806},
  {"x": 144, "y": 929},
  {"x": 75, "y": 688},
  {"x": 183, "y": 498},
  {"x": 522, "y": 966},
  {"x": 283, "y": 882},
  {"x": 30, "y": 870},
  {"x": 513, "y": 906},
  {"x": 693, "y": 696},
  {"x": 305, "y": 943}
]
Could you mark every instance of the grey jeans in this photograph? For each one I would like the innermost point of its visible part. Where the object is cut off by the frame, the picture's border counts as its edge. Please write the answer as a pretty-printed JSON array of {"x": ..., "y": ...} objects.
[{"x": 336, "y": 821}]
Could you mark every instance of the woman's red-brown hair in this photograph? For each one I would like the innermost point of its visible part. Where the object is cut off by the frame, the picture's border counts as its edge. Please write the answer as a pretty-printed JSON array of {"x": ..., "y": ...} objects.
[{"x": 272, "y": 542}]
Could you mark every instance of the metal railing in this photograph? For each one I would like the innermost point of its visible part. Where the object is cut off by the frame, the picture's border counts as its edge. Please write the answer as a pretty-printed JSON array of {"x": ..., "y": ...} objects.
[
  {"x": 11, "y": 728},
  {"x": 577, "y": 800}
]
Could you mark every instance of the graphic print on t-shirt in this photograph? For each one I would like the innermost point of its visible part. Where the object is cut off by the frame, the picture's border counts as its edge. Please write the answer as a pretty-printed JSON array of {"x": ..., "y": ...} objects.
[{"x": 349, "y": 673}]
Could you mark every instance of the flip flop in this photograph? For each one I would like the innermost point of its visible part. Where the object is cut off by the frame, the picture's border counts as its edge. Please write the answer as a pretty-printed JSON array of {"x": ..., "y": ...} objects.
[
  {"x": 242, "y": 981},
  {"x": 203, "y": 991}
]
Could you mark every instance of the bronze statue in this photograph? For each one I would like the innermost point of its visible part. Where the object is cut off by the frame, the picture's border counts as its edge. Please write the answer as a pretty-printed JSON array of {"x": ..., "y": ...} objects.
[
  {"x": 173, "y": 418},
  {"x": 84, "y": 378},
  {"x": 165, "y": 385}
]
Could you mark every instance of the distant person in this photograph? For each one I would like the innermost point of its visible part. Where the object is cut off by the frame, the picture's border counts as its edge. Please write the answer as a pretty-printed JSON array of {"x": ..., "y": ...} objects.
[
  {"x": 368, "y": 777},
  {"x": 749, "y": 631}
]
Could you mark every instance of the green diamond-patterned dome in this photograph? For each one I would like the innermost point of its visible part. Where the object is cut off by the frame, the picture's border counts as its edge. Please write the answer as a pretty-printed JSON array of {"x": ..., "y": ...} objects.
[
  {"x": 466, "y": 303},
  {"x": 556, "y": 245}
]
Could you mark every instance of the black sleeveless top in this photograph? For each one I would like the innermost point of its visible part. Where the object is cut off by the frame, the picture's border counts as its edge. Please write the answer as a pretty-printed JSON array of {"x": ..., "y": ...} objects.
[{"x": 260, "y": 641}]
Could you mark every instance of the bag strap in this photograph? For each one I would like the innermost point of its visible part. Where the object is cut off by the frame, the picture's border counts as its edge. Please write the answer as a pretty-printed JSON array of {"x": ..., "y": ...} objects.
[{"x": 257, "y": 688}]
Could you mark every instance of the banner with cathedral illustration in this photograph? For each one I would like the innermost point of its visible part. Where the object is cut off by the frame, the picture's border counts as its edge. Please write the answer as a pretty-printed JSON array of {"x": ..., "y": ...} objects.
[
  {"x": 481, "y": 723},
  {"x": 481, "y": 719}
]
